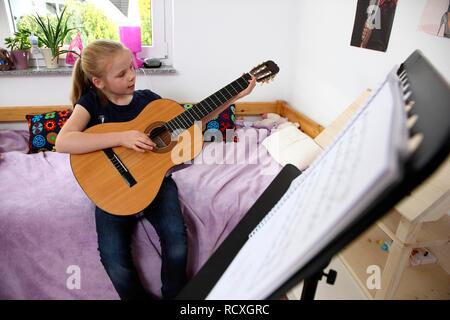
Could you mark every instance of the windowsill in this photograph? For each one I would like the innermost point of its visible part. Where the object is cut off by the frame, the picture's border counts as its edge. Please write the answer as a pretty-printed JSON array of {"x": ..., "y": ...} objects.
[{"x": 67, "y": 71}]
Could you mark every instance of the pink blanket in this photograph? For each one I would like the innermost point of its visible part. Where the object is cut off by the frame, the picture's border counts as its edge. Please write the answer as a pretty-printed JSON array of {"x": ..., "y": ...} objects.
[{"x": 47, "y": 226}]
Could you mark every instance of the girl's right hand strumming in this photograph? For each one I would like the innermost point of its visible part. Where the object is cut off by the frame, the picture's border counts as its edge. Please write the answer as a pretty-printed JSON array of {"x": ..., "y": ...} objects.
[{"x": 136, "y": 140}]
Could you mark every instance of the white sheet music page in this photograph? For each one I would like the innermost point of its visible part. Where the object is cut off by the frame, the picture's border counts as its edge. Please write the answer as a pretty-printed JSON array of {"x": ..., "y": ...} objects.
[{"x": 323, "y": 200}]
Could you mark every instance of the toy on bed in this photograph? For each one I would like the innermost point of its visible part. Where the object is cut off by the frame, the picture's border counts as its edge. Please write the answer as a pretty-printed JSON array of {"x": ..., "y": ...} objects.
[{"x": 268, "y": 121}]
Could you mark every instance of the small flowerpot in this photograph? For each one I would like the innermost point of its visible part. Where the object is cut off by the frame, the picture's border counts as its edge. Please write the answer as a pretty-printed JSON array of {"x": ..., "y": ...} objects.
[
  {"x": 20, "y": 59},
  {"x": 50, "y": 61}
]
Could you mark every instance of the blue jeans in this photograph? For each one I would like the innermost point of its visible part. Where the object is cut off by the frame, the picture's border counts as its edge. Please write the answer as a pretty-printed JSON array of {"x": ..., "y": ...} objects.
[{"x": 114, "y": 243}]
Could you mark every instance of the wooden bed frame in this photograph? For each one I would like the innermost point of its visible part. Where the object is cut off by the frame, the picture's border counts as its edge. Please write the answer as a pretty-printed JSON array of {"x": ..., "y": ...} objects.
[{"x": 310, "y": 127}]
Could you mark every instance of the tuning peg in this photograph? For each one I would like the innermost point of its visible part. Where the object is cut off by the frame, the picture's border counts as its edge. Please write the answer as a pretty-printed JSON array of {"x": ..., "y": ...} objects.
[
  {"x": 414, "y": 142},
  {"x": 409, "y": 106},
  {"x": 411, "y": 121},
  {"x": 269, "y": 79}
]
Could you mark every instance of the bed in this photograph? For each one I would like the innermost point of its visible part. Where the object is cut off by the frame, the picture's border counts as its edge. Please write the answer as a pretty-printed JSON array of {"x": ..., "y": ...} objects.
[{"x": 47, "y": 226}]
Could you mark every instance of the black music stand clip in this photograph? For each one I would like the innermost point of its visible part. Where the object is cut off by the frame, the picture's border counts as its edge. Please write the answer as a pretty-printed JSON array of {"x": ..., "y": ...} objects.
[{"x": 310, "y": 283}]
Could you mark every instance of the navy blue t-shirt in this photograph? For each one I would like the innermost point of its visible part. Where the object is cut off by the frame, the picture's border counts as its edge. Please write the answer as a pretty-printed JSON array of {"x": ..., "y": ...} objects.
[{"x": 111, "y": 112}]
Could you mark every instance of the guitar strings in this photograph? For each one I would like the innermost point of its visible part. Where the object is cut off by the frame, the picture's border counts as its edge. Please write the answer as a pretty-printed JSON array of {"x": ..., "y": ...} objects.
[
  {"x": 167, "y": 127},
  {"x": 148, "y": 79}
]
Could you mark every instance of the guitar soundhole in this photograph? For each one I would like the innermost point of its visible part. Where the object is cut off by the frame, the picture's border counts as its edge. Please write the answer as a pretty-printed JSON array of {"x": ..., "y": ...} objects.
[{"x": 161, "y": 137}]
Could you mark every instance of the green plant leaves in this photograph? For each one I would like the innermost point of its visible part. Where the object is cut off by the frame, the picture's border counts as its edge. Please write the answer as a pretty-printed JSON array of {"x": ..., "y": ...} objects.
[
  {"x": 20, "y": 40},
  {"x": 53, "y": 35}
]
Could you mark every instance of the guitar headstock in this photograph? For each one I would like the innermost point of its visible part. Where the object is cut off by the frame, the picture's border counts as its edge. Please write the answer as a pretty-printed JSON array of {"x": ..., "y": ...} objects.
[{"x": 265, "y": 72}]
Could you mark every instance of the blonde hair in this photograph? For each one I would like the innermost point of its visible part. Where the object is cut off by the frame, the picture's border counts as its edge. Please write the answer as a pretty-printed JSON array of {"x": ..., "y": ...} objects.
[{"x": 93, "y": 63}]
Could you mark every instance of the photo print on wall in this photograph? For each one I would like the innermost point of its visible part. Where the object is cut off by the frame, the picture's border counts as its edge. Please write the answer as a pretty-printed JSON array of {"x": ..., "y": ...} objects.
[
  {"x": 436, "y": 18},
  {"x": 373, "y": 24}
]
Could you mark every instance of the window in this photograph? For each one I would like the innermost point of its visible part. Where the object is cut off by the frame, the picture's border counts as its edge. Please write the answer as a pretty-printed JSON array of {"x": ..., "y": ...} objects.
[{"x": 100, "y": 19}]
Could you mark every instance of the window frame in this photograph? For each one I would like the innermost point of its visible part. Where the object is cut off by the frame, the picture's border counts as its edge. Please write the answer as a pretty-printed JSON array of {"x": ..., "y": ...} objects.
[
  {"x": 6, "y": 25},
  {"x": 161, "y": 32},
  {"x": 161, "y": 29}
]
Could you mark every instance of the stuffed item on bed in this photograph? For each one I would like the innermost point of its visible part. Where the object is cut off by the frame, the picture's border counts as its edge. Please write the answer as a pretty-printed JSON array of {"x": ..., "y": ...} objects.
[
  {"x": 47, "y": 224},
  {"x": 268, "y": 121},
  {"x": 290, "y": 145}
]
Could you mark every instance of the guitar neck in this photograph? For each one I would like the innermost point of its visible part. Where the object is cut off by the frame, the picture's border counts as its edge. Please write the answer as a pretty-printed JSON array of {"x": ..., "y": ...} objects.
[{"x": 208, "y": 105}]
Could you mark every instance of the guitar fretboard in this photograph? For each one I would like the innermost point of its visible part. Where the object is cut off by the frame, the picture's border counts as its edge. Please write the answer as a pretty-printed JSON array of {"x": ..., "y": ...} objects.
[{"x": 200, "y": 110}]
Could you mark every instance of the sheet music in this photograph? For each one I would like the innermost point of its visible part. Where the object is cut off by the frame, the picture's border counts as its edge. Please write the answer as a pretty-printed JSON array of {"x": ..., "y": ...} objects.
[{"x": 322, "y": 201}]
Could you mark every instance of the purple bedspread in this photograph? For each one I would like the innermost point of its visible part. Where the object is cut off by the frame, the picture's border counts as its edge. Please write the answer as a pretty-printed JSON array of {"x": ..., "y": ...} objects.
[{"x": 47, "y": 223}]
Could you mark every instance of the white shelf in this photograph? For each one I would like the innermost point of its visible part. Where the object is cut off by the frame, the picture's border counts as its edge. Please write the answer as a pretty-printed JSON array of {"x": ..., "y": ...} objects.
[
  {"x": 419, "y": 220},
  {"x": 389, "y": 224},
  {"x": 436, "y": 233},
  {"x": 431, "y": 234},
  {"x": 419, "y": 282}
]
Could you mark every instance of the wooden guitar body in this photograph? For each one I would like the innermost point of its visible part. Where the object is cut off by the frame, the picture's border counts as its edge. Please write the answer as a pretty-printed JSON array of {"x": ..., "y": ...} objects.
[{"x": 103, "y": 182}]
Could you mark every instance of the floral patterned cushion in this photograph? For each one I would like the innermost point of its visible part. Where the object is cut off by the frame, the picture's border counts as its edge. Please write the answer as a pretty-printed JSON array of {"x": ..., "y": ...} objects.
[
  {"x": 222, "y": 127},
  {"x": 44, "y": 129}
]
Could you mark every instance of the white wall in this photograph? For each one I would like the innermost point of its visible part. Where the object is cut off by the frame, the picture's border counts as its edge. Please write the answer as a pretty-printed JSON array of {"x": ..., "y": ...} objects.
[
  {"x": 215, "y": 42},
  {"x": 329, "y": 73}
]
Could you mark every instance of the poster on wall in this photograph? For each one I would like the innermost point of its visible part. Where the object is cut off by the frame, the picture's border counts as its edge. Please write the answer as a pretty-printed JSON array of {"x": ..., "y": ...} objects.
[
  {"x": 436, "y": 18},
  {"x": 373, "y": 24}
]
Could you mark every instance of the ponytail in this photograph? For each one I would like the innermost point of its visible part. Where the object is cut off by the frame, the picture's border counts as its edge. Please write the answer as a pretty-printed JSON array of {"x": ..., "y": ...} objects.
[{"x": 79, "y": 82}]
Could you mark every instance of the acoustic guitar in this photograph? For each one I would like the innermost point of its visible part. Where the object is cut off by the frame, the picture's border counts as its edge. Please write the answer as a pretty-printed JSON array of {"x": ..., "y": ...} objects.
[{"x": 122, "y": 181}]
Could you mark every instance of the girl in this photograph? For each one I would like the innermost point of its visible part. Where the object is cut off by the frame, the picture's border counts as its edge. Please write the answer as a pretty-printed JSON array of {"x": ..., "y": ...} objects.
[{"x": 103, "y": 91}]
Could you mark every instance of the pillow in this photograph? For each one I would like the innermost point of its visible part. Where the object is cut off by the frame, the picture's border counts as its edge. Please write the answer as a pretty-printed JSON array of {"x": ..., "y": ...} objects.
[
  {"x": 44, "y": 129},
  {"x": 221, "y": 125},
  {"x": 290, "y": 145}
]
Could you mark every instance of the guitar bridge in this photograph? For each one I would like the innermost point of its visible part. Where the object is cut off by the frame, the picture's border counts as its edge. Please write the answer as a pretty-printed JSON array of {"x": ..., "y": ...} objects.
[{"x": 120, "y": 167}]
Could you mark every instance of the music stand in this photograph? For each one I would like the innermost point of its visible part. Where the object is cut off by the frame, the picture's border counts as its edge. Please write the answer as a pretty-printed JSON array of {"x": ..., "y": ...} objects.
[{"x": 431, "y": 95}]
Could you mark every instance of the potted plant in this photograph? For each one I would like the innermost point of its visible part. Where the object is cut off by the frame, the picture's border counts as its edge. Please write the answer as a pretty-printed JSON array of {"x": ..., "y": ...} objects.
[
  {"x": 52, "y": 34},
  {"x": 19, "y": 45}
]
